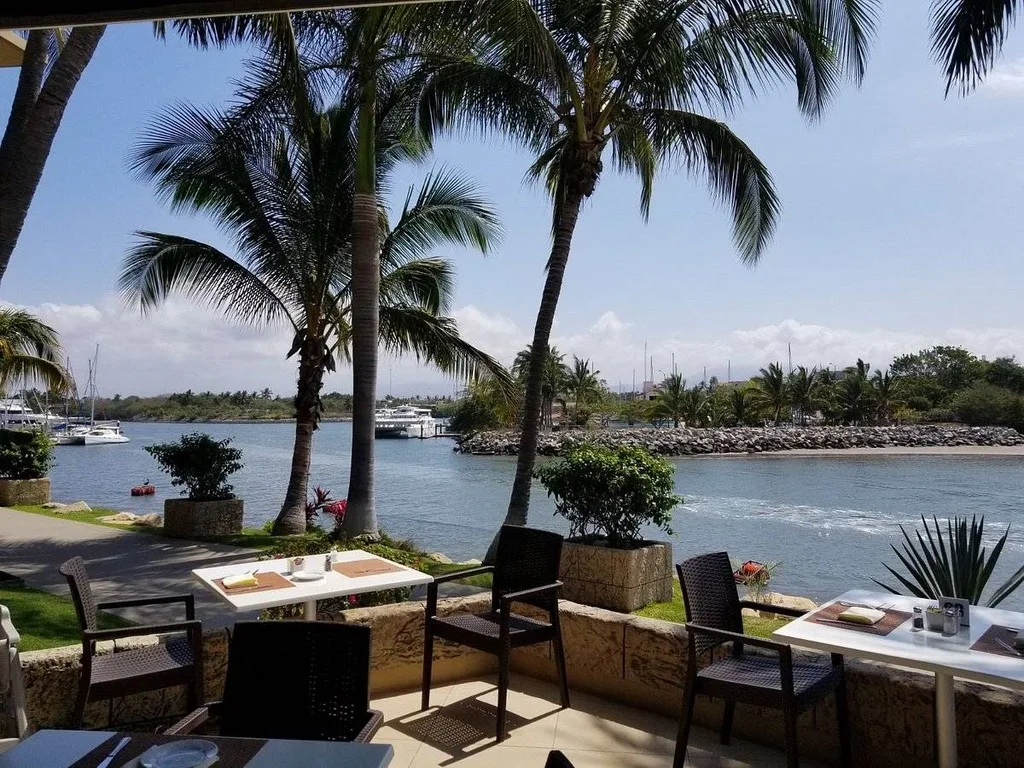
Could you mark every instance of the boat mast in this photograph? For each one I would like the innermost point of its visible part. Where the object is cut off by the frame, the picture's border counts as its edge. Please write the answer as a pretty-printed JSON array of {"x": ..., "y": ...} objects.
[{"x": 92, "y": 385}]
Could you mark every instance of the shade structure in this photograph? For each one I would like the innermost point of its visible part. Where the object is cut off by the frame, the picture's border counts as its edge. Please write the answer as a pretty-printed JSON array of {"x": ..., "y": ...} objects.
[{"x": 12, "y": 49}]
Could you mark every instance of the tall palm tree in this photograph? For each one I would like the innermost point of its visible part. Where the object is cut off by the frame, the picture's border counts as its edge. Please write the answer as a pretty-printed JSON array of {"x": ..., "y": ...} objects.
[
  {"x": 803, "y": 391},
  {"x": 771, "y": 390},
  {"x": 555, "y": 374},
  {"x": 853, "y": 394},
  {"x": 574, "y": 81},
  {"x": 52, "y": 65},
  {"x": 283, "y": 189},
  {"x": 582, "y": 385},
  {"x": 671, "y": 402},
  {"x": 30, "y": 351},
  {"x": 695, "y": 405},
  {"x": 885, "y": 389},
  {"x": 967, "y": 35},
  {"x": 742, "y": 406}
]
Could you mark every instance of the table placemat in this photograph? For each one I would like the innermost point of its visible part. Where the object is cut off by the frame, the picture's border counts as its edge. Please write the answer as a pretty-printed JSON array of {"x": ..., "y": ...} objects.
[
  {"x": 988, "y": 642},
  {"x": 371, "y": 566},
  {"x": 829, "y": 617},
  {"x": 231, "y": 753},
  {"x": 264, "y": 581}
]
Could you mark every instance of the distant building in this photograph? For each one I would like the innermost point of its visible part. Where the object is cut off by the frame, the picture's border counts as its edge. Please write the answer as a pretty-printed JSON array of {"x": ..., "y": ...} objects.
[{"x": 651, "y": 390}]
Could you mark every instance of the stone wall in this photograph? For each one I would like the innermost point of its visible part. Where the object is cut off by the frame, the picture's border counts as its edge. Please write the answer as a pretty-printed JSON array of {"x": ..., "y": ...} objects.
[
  {"x": 616, "y": 579},
  {"x": 190, "y": 519},
  {"x": 633, "y": 660},
  {"x": 24, "y": 491}
]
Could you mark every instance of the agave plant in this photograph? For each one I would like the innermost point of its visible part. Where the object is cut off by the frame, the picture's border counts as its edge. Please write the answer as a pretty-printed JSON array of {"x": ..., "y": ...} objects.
[{"x": 951, "y": 563}]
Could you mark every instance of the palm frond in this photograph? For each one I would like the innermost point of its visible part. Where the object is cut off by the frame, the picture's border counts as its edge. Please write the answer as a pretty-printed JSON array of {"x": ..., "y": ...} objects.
[
  {"x": 30, "y": 369},
  {"x": 967, "y": 35}
]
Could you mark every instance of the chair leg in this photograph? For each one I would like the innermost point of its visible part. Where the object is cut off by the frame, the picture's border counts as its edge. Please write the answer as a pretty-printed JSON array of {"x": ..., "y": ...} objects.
[
  {"x": 792, "y": 748},
  {"x": 80, "y": 701},
  {"x": 727, "y": 716},
  {"x": 685, "y": 720},
  {"x": 563, "y": 677},
  {"x": 843, "y": 713},
  {"x": 428, "y": 663},
  {"x": 503, "y": 661}
]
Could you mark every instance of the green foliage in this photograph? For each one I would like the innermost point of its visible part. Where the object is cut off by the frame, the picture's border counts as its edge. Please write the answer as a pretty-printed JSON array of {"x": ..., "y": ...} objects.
[
  {"x": 675, "y": 612},
  {"x": 951, "y": 563},
  {"x": 611, "y": 494},
  {"x": 486, "y": 406},
  {"x": 48, "y": 621},
  {"x": 987, "y": 404},
  {"x": 771, "y": 392},
  {"x": 25, "y": 455},
  {"x": 199, "y": 463},
  {"x": 1006, "y": 372}
]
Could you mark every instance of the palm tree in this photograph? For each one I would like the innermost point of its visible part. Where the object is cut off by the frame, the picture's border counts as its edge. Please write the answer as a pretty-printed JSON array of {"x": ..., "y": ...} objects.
[
  {"x": 582, "y": 385},
  {"x": 283, "y": 188},
  {"x": 695, "y": 405},
  {"x": 52, "y": 65},
  {"x": 30, "y": 351},
  {"x": 803, "y": 391},
  {"x": 853, "y": 394},
  {"x": 638, "y": 78},
  {"x": 741, "y": 406},
  {"x": 671, "y": 402},
  {"x": 555, "y": 374},
  {"x": 885, "y": 391},
  {"x": 771, "y": 390},
  {"x": 967, "y": 35}
]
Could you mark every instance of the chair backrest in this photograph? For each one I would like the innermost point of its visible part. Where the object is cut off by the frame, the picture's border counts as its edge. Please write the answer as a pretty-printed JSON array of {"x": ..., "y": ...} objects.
[
  {"x": 14, "y": 722},
  {"x": 710, "y": 596},
  {"x": 81, "y": 593},
  {"x": 297, "y": 680},
  {"x": 557, "y": 760},
  {"x": 526, "y": 558}
]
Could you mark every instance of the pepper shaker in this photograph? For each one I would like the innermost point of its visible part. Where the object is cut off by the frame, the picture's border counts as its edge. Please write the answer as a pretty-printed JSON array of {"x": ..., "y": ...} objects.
[
  {"x": 918, "y": 617},
  {"x": 951, "y": 625}
]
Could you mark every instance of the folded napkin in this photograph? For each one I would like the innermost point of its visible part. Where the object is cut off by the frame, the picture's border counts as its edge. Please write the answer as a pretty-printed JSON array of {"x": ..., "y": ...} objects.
[
  {"x": 240, "y": 580},
  {"x": 861, "y": 616}
]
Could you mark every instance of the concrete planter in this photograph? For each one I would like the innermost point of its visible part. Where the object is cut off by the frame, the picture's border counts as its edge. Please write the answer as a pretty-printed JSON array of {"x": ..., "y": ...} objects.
[
  {"x": 188, "y": 519},
  {"x": 616, "y": 579},
  {"x": 24, "y": 491}
]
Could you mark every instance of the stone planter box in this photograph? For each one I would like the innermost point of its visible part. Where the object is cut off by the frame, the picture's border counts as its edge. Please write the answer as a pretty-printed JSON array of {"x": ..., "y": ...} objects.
[
  {"x": 616, "y": 579},
  {"x": 24, "y": 491},
  {"x": 188, "y": 519}
]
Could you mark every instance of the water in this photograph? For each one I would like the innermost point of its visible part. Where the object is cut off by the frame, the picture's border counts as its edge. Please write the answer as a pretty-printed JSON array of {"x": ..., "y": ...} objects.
[{"x": 829, "y": 520}]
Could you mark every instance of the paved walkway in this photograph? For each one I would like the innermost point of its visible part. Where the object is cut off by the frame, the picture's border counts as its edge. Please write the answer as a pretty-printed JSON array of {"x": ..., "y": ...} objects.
[{"x": 122, "y": 564}]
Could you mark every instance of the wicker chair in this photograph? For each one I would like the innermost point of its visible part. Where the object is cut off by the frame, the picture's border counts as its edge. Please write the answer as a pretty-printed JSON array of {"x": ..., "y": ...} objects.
[
  {"x": 13, "y": 714},
  {"x": 715, "y": 617},
  {"x": 525, "y": 571},
  {"x": 305, "y": 680},
  {"x": 557, "y": 760},
  {"x": 179, "y": 661}
]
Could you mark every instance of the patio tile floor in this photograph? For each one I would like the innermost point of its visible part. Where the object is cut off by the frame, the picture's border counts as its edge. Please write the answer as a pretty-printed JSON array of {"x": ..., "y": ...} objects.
[{"x": 458, "y": 731}]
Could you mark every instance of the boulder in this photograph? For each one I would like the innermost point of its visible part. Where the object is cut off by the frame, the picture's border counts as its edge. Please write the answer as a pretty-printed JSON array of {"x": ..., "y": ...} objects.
[
  {"x": 53, "y": 505},
  {"x": 78, "y": 506}
]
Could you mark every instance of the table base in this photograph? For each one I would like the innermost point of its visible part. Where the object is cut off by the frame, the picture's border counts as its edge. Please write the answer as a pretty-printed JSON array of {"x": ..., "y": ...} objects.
[
  {"x": 309, "y": 610},
  {"x": 945, "y": 720}
]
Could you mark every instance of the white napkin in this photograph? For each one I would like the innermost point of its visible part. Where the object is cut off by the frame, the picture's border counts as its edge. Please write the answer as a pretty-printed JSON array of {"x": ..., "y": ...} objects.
[{"x": 861, "y": 615}]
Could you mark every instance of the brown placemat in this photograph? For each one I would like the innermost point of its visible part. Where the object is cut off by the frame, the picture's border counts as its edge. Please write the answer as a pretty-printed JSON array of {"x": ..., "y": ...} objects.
[
  {"x": 831, "y": 613},
  {"x": 264, "y": 581},
  {"x": 370, "y": 566},
  {"x": 987, "y": 642},
  {"x": 231, "y": 753}
]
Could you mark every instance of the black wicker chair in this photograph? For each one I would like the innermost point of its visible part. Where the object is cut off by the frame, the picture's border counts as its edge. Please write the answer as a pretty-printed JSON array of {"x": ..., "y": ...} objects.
[
  {"x": 557, "y": 760},
  {"x": 178, "y": 661},
  {"x": 714, "y": 613},
  {"x": 525, "y": 571},
  {"x": 305, "y": 680}
]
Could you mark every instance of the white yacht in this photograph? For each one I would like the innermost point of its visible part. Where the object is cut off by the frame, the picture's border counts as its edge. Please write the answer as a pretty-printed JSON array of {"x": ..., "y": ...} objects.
[
  {"x": 403, "y": 421},
  {"x": 91, "y": 432},
  {"x": 15, "y": 412},
  {"x": 104, "y": 434}
]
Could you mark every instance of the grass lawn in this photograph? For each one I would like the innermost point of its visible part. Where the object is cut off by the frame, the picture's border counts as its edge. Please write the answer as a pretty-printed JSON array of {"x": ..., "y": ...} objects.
[
  {"x": 48, "y": 621},
  {"x": 674, "y": 612}
]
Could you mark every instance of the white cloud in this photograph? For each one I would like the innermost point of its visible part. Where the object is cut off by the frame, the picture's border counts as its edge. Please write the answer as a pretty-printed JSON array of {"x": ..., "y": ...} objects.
[{"x": 1006, "y": 79}]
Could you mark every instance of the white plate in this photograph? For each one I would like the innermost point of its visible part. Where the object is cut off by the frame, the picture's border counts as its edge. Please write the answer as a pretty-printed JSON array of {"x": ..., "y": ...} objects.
[
  {"x": 307, "y": 576},
  {"x": 189, "y": 753}
]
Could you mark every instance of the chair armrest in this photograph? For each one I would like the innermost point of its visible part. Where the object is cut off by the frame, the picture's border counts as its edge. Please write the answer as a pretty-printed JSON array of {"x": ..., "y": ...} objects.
[
  {"x": 141, "y": 630},
  {"x": 513, "y": 597},
  {"x": 188, "y": 600},
  {"x": 372, "y": 726},
  {"x": 769, "y": 608},
  {"x": 455, "y": 575},
  {"x": 189, "y": 722},
  {"x": 725, "y": 636}
]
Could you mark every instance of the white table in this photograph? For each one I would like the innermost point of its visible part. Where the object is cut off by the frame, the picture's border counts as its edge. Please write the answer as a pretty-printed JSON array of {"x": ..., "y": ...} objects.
[
  {"x": 945, "y": 657},
  {"x": 333, "y": 584}
]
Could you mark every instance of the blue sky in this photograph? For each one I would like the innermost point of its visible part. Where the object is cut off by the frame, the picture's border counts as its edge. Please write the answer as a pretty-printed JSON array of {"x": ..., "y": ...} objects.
[{"x": 900, "y": 228}]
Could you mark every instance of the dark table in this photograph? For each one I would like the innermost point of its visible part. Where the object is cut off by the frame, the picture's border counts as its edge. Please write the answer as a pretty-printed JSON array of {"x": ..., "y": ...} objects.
[{"x": 59, "y": 749}]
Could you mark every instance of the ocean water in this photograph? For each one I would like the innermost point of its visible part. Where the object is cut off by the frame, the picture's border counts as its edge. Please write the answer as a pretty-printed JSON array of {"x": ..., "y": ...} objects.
[{"x": 828, "y": 520}]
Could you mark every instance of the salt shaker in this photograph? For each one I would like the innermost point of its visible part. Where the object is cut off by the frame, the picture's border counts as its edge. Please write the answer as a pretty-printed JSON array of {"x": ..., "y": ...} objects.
[
  {"x": 918, "y": 617},
  {"x": 951, "y": 624}
]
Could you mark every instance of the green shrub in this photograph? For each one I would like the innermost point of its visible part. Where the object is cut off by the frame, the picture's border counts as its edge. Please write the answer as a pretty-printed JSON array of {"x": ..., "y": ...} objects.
[
  {"x": 984, "y": 404},
  {"x": 25, "y": 455},
  {"x": 611, "y": 495},
  {"x": 199, "y": 463}
]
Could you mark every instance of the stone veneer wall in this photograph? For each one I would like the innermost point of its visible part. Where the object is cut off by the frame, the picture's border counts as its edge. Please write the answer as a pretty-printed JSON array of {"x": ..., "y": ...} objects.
[
  {"x": 616, "y": 579},
  {"x": 633, "y": 660}
]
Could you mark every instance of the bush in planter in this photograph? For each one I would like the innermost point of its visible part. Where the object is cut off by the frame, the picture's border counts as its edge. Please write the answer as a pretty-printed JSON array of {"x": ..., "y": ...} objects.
[
  {"x": 24, "y": 455},
  {"x": 199, "y": 463},
  {"x": 611, "y": 494}
]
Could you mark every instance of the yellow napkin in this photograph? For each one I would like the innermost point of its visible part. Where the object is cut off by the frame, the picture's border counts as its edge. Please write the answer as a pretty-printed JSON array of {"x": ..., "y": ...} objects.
[
  {"x": 861, "y": 616},
  {"x": 241, "y": 580}
]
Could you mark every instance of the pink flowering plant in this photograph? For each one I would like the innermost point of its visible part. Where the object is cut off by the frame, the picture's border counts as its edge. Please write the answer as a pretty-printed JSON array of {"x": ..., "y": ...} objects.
[{"x": 321, "y": 501}]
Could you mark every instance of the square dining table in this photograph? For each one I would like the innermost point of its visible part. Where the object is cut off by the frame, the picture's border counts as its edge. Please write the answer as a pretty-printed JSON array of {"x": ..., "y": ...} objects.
[
  {"x": 63, "y": 749},
  {"x": 292, "y": 590},
  {"x": 945, "y": 657}
]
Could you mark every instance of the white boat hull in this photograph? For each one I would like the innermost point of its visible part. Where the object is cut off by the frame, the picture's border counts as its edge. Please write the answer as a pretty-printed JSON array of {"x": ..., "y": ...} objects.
[{"x": 111, "y": 439}]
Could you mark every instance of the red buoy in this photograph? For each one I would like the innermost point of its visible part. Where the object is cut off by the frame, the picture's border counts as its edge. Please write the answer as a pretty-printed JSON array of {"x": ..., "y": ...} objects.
[{"x": 143, "y": 490}]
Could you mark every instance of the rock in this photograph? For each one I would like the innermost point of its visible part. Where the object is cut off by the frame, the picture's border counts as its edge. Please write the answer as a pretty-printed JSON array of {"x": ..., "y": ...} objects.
[
  {"x": 439, "y": 557},
  {"x": 53, "y": 505},
  {"x": 121, "y": 518},
  {"x": 471, "y": 561},
  {"x": 151, "y": 519},
  {"x": 78, "y": 506}
]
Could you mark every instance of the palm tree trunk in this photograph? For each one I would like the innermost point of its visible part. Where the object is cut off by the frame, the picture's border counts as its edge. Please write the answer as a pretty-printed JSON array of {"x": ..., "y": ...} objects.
[
  {"x": 36, "y": 114},
  {"x": 519, "y": 504},
  {"x": 361, "y": 517},
  {"x": 292, "y": 517}
]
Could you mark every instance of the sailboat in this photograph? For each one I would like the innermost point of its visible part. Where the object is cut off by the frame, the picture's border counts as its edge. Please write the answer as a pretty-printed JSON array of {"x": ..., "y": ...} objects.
[{"x": 101, "y": 433}]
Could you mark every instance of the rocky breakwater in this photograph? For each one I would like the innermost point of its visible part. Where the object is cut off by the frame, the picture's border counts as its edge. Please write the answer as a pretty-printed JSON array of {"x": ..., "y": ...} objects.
[{"x": 684, "y": 441}]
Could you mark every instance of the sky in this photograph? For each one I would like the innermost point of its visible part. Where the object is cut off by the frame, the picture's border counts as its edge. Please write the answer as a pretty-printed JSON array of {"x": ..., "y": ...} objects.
[{"x": 901, "y": 228}]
